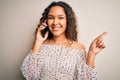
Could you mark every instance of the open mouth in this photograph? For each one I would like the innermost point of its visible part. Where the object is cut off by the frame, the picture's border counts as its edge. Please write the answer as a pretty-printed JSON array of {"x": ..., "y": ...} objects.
[{"x": 55, "y": 28}]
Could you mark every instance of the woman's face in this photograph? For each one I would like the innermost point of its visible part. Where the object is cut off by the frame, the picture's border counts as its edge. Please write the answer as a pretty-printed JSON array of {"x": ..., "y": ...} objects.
[{"x": 57, "y": 21}]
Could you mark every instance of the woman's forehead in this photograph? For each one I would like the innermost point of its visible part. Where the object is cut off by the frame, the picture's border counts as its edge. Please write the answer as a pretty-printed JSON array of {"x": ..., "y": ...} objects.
[{"x": 57, "y": 10}]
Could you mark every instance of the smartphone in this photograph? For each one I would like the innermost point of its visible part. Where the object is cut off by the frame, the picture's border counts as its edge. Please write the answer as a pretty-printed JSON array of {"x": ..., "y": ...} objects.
[{"x": 44, "y": 31}]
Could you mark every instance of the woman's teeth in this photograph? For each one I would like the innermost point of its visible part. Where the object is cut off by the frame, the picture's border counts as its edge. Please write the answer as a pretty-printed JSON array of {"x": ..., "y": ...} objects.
[{"x": 56, "y": 28}]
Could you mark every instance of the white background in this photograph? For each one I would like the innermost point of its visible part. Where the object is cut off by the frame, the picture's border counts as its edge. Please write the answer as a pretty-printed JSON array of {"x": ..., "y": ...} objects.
[{"x": 19, "y": 18}]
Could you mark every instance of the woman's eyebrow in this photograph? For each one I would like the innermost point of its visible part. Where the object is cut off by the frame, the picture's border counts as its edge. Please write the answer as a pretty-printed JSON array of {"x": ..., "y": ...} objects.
[{"x": 57, "y": 15}]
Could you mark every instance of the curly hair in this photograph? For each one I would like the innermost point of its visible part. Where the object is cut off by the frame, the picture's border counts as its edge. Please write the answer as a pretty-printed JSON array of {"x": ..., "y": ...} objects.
[{"x": 71, "y": 28}]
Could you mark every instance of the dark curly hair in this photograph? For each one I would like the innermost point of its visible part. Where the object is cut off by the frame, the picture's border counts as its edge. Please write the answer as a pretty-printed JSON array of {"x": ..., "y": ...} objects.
[{"x": 71, "y": 30}]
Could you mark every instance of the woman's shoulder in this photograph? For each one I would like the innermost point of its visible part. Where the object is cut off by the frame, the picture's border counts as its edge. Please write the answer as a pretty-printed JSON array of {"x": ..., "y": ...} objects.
[{"x": 78, "y": 45}]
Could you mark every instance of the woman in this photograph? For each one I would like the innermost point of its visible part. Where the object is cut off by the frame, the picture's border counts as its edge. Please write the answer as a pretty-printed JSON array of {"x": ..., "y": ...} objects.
[{"x": 56, "y": 54}]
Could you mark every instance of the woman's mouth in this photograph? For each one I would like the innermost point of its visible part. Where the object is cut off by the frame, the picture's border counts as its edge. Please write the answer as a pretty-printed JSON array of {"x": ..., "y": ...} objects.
[{"x": 55, "y": 28}]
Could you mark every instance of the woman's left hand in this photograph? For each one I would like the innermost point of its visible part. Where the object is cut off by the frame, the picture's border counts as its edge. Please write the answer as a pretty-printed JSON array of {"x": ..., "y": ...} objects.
[{"x": 97, "y": 45}]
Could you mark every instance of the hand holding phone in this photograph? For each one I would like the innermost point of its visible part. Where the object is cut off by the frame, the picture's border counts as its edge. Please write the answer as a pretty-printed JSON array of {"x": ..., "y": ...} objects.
[{"x": 43, "y": 32}]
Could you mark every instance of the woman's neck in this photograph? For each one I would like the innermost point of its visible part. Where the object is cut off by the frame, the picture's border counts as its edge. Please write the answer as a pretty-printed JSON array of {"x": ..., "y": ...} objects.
[{"x": 59, "y": 40}]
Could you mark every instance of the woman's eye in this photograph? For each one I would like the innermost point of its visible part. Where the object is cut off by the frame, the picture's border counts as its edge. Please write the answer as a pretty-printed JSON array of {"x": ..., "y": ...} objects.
[
  {"x": 61, "y": 17},
  {"x": 50, "y": 18}
]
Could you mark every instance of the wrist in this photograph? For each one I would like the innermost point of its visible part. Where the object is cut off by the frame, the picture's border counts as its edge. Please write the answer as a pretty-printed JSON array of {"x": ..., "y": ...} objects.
[
  {"x": 90, "y": 59},
  {"x": 36, "y": 46},
  {"x": 91, "y": 53},
  {"x": 38, "y": 41}
]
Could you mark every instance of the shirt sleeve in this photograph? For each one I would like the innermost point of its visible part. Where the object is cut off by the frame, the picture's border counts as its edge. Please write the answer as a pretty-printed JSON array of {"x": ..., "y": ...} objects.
[
  {"x": 84, "y": 72},
  {"x": 30, "y": 68}
]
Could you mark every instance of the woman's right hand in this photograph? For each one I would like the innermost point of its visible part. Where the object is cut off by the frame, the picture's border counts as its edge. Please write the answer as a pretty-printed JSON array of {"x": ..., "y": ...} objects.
[
  {"x": 39, "y": 39},
  {"x": 39, "y": 36}
]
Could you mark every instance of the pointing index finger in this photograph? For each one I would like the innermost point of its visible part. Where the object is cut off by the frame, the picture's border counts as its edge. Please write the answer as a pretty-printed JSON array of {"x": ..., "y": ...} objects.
[{"x": 102, "y": 35}]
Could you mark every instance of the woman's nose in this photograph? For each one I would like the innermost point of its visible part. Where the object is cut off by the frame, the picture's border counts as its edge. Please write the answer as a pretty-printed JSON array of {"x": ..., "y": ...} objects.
[{"x": 55, "y": 21}]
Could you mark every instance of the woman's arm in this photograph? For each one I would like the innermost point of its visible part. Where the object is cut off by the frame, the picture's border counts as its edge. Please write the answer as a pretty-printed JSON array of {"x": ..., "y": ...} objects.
[
  {"x": 96, "y": 46},
  {"x": 39, "y": 39}
]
